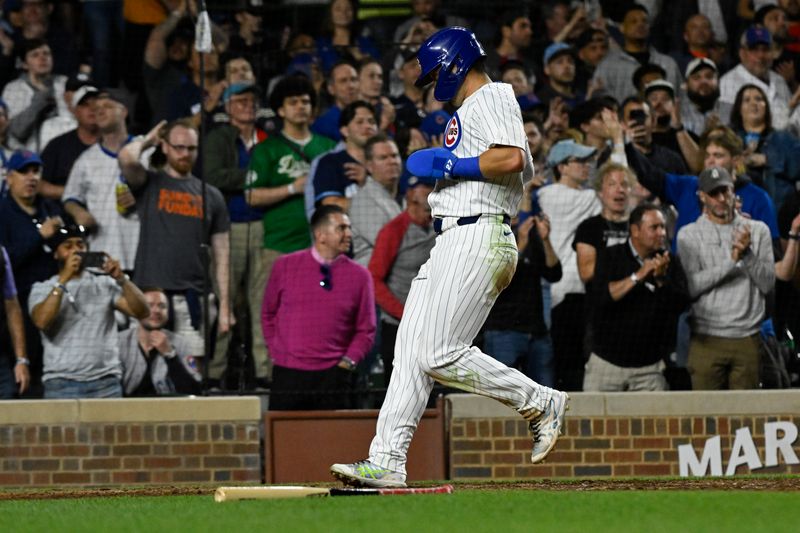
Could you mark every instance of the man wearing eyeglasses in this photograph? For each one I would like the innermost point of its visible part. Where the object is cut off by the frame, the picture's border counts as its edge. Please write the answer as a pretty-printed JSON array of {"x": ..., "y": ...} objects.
[
  {"x": 730, "y": 269},
  {"x": 27, "y": 220},
  {"x": 172, "y": 236},
  {"x": 318, "y": 289}
]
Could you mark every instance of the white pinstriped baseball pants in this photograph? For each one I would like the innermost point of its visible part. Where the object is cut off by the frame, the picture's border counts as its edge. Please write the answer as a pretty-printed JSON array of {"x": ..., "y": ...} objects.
[{"x": 448, "y": 303}]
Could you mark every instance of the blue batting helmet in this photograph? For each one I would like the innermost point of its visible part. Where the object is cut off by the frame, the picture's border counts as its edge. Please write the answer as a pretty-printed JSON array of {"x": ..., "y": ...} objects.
[{"x": 452, "y": 51}]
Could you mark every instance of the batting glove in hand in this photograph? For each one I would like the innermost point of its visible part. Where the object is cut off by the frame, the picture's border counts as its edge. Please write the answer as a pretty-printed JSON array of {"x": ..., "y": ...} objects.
[{"x": 440, "y": 163}]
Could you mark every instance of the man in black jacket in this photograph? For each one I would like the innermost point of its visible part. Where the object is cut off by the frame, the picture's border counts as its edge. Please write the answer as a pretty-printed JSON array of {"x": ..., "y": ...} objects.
[{"x": 638, "y": 292}]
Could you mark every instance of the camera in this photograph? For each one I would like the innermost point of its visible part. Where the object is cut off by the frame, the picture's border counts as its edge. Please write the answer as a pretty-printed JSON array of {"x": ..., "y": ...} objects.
[
  {"x": 638, "y": 116},
  {"x": 92, "y": 259}
]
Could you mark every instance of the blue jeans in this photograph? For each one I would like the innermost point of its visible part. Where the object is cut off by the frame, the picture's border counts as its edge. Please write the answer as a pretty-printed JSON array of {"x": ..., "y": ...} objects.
[
  {"x": 65, "y": 389},
  {"x": 532, "y": 355}
]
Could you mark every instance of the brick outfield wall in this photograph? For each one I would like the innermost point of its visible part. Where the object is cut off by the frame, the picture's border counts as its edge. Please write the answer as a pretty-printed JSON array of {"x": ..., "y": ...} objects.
[
  {"x": 492, "y": 448},
  {"x": 130, "y": 441},
  {"x": 103, "y": 454}
]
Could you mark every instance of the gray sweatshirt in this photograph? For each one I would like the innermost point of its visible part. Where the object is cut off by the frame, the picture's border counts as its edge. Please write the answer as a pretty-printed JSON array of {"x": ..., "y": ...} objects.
[{"x": 728, "y": 296}]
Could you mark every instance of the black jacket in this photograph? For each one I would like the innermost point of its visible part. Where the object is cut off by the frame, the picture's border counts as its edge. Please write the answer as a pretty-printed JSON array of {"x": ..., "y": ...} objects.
[{"x": 640, "y": 328}]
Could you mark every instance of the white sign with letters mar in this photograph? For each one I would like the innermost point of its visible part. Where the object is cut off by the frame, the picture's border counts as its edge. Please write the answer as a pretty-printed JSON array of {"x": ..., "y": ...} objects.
[{"x": 778, "y": 437}]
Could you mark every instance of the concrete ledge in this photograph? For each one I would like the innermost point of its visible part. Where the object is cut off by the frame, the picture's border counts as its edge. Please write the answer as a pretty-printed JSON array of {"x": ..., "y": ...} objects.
[
  {"x": 190, "y": 409},
  {"x": 38, "y": 412},
  {"x": 170, "y": 410},
  {"x": 584, "y": 404}
]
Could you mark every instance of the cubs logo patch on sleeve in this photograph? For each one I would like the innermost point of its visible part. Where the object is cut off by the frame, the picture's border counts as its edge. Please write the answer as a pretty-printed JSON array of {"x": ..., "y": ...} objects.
[{"x": 452, "y": 134}]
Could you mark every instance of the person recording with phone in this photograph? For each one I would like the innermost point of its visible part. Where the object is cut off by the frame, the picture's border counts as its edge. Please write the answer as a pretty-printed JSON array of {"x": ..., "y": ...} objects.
[
  {"x": 638, "y": 124},
  {"x": 74, "y": 312}
]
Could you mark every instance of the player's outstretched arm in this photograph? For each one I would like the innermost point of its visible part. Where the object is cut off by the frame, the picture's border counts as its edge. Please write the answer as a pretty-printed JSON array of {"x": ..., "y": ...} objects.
[{"x": 440, "y": 163}]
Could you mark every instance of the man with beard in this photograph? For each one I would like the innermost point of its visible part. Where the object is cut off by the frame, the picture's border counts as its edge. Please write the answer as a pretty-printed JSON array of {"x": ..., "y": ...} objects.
[
  {"x": 756, "y": 59},
  {"x": 730, "y": 269},
  {"x": 155, "y": 361},
  {"x": 559, "y": 66},
  {"x": 668, "y": 130},
  {"x": 74, "y": 310},
  {"x": 172, "y": 251},
  {"x": 700, "y": 103},
  {"x": 322, "y": 289},
  {"x": 96, "y": 196}
]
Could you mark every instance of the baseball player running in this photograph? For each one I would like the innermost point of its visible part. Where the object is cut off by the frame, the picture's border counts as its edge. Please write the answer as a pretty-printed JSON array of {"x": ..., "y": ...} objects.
[{"x": 480, "y": 171}]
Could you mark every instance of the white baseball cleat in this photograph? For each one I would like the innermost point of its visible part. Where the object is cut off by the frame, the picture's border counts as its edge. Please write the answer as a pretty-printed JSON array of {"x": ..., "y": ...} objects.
[
  {"x": 367, "y": 474},
  {"x": 547, "y": 426}
]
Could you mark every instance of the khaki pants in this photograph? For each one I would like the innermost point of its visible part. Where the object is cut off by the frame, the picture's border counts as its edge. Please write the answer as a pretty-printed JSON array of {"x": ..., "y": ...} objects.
[
  {"x": 602, "y": 376},
  {"x": 717, "y": 363},
  {"x": 250, "y": 266}
]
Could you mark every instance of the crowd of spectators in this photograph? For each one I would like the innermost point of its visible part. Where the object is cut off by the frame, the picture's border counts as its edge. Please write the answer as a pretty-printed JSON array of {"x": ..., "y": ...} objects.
[{"x": 658, "y": 240}]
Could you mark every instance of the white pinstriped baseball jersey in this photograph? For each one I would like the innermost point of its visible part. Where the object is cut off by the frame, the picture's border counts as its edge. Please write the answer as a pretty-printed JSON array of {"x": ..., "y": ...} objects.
[
  {"x": 455, "y": 289},
  {"x": 494, "y": 119}
]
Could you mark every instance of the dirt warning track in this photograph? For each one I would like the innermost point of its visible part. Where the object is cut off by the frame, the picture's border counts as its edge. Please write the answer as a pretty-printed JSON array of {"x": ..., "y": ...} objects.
[{"x": 782, "y": 484}]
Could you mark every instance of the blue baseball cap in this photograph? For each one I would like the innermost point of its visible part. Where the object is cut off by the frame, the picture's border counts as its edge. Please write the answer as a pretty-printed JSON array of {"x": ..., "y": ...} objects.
[
  {"x": 22, "y": 158},
  {"x": 756, "y": 35},
  {"x": 239, "y": 88},
  {"x": 434, "y": 123},
  {"x": 557, "y": 49},
  {"x": 563, "y": 150}
]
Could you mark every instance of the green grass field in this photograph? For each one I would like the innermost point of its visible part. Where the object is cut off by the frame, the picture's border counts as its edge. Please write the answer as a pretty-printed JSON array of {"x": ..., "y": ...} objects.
[{"x": 466, "y": 510}]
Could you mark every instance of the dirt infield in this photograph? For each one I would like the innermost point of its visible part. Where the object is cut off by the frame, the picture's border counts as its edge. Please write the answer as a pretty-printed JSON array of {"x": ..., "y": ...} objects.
[{"x": 781, "y": 484}]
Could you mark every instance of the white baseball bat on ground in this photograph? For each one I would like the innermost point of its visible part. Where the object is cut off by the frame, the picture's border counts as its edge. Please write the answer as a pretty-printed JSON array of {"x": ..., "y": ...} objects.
[{"x": 226, "y": 494}]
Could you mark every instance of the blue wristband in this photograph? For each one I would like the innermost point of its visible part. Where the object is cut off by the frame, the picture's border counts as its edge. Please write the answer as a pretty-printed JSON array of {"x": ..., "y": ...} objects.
[{"x": 468, "y": 167}]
